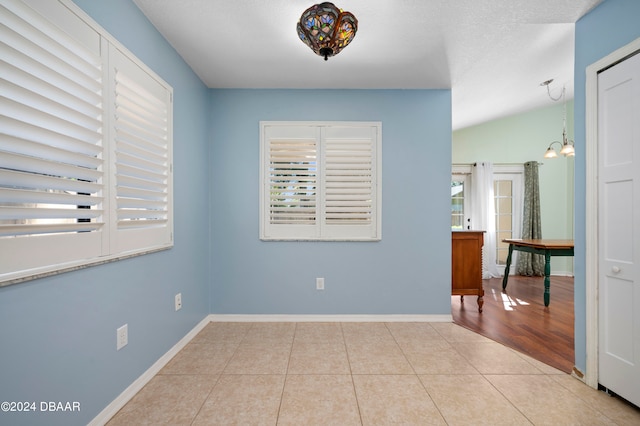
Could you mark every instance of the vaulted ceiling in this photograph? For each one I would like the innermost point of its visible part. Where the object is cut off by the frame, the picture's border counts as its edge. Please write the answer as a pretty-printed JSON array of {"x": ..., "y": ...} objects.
[{"x": 492, "y": 54}]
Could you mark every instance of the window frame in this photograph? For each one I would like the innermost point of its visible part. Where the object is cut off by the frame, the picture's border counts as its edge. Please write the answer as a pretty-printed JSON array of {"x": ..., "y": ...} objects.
[
  {"x": 463, "y": 174},
  {"x": 367, "y": 139},
  {"x": 39, "y": 253}
]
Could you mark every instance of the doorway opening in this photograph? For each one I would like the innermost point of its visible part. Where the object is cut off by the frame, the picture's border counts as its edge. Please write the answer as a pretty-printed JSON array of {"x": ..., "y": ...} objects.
[{"x": 516, "y": 318}]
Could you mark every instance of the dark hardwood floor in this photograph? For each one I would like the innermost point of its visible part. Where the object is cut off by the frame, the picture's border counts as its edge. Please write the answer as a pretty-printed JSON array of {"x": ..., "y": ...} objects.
[{"x": 519, "y": 319}]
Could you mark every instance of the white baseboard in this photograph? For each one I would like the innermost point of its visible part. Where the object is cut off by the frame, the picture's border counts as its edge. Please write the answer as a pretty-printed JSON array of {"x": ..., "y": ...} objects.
[
  {"x": 330, "y": 318},
  {"x": 135, "y": 387},
  {"x": 552, "y": 274},
  {"x": 561, "y": 274}
]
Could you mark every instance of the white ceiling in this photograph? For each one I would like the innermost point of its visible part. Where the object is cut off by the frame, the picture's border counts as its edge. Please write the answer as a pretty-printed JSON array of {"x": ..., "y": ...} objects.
[{"x": 493, "y": 54}]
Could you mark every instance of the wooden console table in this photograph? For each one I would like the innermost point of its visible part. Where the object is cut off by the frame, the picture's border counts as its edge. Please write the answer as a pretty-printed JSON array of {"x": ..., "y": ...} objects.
[
  {"x": 547, "y": 248},
  {"x": 466, "y": 264}
]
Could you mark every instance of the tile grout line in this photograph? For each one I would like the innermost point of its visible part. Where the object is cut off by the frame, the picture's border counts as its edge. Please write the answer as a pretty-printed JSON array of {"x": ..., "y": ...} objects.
[
  {"x": 286, "y": 373},
  {"x": 506, "y": 397},
  {"x": 353, "y": 384},
  {"x": 415, "y": 373},
  {"x": 219, "y": 376}
]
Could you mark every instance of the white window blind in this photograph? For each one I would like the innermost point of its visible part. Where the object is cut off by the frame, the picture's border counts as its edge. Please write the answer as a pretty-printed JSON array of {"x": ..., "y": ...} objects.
[
  {"x": 320, "y": 181},
  {"x": 51, "y": 133},
  {"x": 293, "y": 181},
  {"x": 56, "y": 176},
  {"x": 141, "y": 155}
]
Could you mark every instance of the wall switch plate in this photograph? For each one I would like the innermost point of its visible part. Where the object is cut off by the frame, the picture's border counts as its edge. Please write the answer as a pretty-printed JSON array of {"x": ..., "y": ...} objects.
[
  {"x": 319, "y": 283},
  {"x": 178, "y": 301},
  {"x": 122, "y": 337}
]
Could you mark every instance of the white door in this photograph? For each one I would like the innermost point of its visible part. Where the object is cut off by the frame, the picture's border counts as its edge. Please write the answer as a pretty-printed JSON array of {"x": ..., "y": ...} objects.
[{"x": 619, "y": 228}]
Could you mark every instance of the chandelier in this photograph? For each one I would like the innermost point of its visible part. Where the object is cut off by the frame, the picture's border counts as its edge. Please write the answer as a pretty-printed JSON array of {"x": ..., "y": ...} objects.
[
  {"x": 567, "y": 147},
  {"x": 327, "y": 29}
]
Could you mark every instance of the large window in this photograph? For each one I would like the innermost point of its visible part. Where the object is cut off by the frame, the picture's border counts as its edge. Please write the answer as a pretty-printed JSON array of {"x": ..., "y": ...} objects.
[
  {"x": 85, "y": 144},
  {"x": 320, "y": 181}
]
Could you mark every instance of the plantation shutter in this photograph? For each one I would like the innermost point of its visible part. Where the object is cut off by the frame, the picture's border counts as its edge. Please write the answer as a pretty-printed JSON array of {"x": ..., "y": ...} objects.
[
  {"x": 142, "y": 155},
  {"x": 51, "y": 139},
  {"x": 291, "y": 182},
  {"x": 349, "y": 165},
  {"x": 320, "y": 181},
  {"x": 85, "y": 144}
]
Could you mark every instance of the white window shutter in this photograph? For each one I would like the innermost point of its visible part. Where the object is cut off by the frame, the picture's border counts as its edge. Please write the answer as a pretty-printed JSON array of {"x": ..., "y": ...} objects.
[
  {"x": 51, "y": 142},
  {"x": 350, "y": 182},
  {"x": 290, "y": 182},
  {"x": 320, "y": 181},
  {"x": 85, "y": 144},
  {"x": 141, "y": 156}
]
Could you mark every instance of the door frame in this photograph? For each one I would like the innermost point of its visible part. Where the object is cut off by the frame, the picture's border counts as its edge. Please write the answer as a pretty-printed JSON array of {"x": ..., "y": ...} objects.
[{"x": 591, "y": 203}]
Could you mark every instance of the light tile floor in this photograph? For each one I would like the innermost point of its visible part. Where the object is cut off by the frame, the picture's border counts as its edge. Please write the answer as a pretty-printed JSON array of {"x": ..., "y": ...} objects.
[{"x": 362, "y": 374}]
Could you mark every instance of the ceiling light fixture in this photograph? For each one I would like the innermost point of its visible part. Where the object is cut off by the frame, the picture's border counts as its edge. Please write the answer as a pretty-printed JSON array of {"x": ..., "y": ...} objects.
[
  {"x": 327, "y": 29},
  {"x": 566, "y": 146}
]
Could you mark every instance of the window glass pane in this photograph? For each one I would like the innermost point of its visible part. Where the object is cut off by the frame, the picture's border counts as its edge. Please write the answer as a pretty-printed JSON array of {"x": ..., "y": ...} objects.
[
  {"x": 504, "y": 223},
  {"x": 503, "y": 192},
  {"x": 504, "y": 206},
  {"x": 457, "y": 204},
  {"x": 503, "y": 187}
]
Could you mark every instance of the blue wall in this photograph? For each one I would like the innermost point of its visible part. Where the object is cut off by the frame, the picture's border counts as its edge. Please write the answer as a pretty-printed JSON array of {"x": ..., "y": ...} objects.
[
  {"x": 58, "y": 334},
  {"x": 610, "y": 26},
  {"x": 408, "y": 272}
]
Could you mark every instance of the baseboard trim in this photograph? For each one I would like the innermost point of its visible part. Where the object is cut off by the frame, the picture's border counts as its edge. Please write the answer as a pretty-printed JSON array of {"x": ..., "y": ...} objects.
[
  {"x": 329, "y": 318},
  {"x": 562, "y": 274},
  {"x": 135, "y": 387}
]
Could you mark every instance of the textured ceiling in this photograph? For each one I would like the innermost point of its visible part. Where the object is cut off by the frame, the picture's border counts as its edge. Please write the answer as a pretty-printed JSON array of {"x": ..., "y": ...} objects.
[{"x": 493, "y": 54}]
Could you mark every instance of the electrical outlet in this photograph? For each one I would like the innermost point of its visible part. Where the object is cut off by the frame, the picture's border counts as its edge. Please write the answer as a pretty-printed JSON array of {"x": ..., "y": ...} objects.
[
  {"x": 319, "y": 283},
  {"x": 122, "y": 337},
  {"x": 178, "y": 301}
]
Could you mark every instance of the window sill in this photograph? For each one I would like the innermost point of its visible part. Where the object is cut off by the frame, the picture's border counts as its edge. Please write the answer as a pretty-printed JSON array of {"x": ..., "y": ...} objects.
[{"x": 23, "y": 276}]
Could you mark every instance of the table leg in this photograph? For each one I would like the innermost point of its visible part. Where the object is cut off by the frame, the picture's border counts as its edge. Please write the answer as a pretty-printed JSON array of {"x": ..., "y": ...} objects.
[
  {"x": 547, "y": 280},
  {"x": 506, "y": 268}
]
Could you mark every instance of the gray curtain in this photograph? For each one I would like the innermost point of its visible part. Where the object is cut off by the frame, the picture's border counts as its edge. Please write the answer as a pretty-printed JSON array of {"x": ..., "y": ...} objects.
[{"x": 531, "y": 264}]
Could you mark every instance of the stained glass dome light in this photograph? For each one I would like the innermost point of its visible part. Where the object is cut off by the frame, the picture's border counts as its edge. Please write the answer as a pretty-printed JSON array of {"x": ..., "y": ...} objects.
[{"x": 327, "y": 29}]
